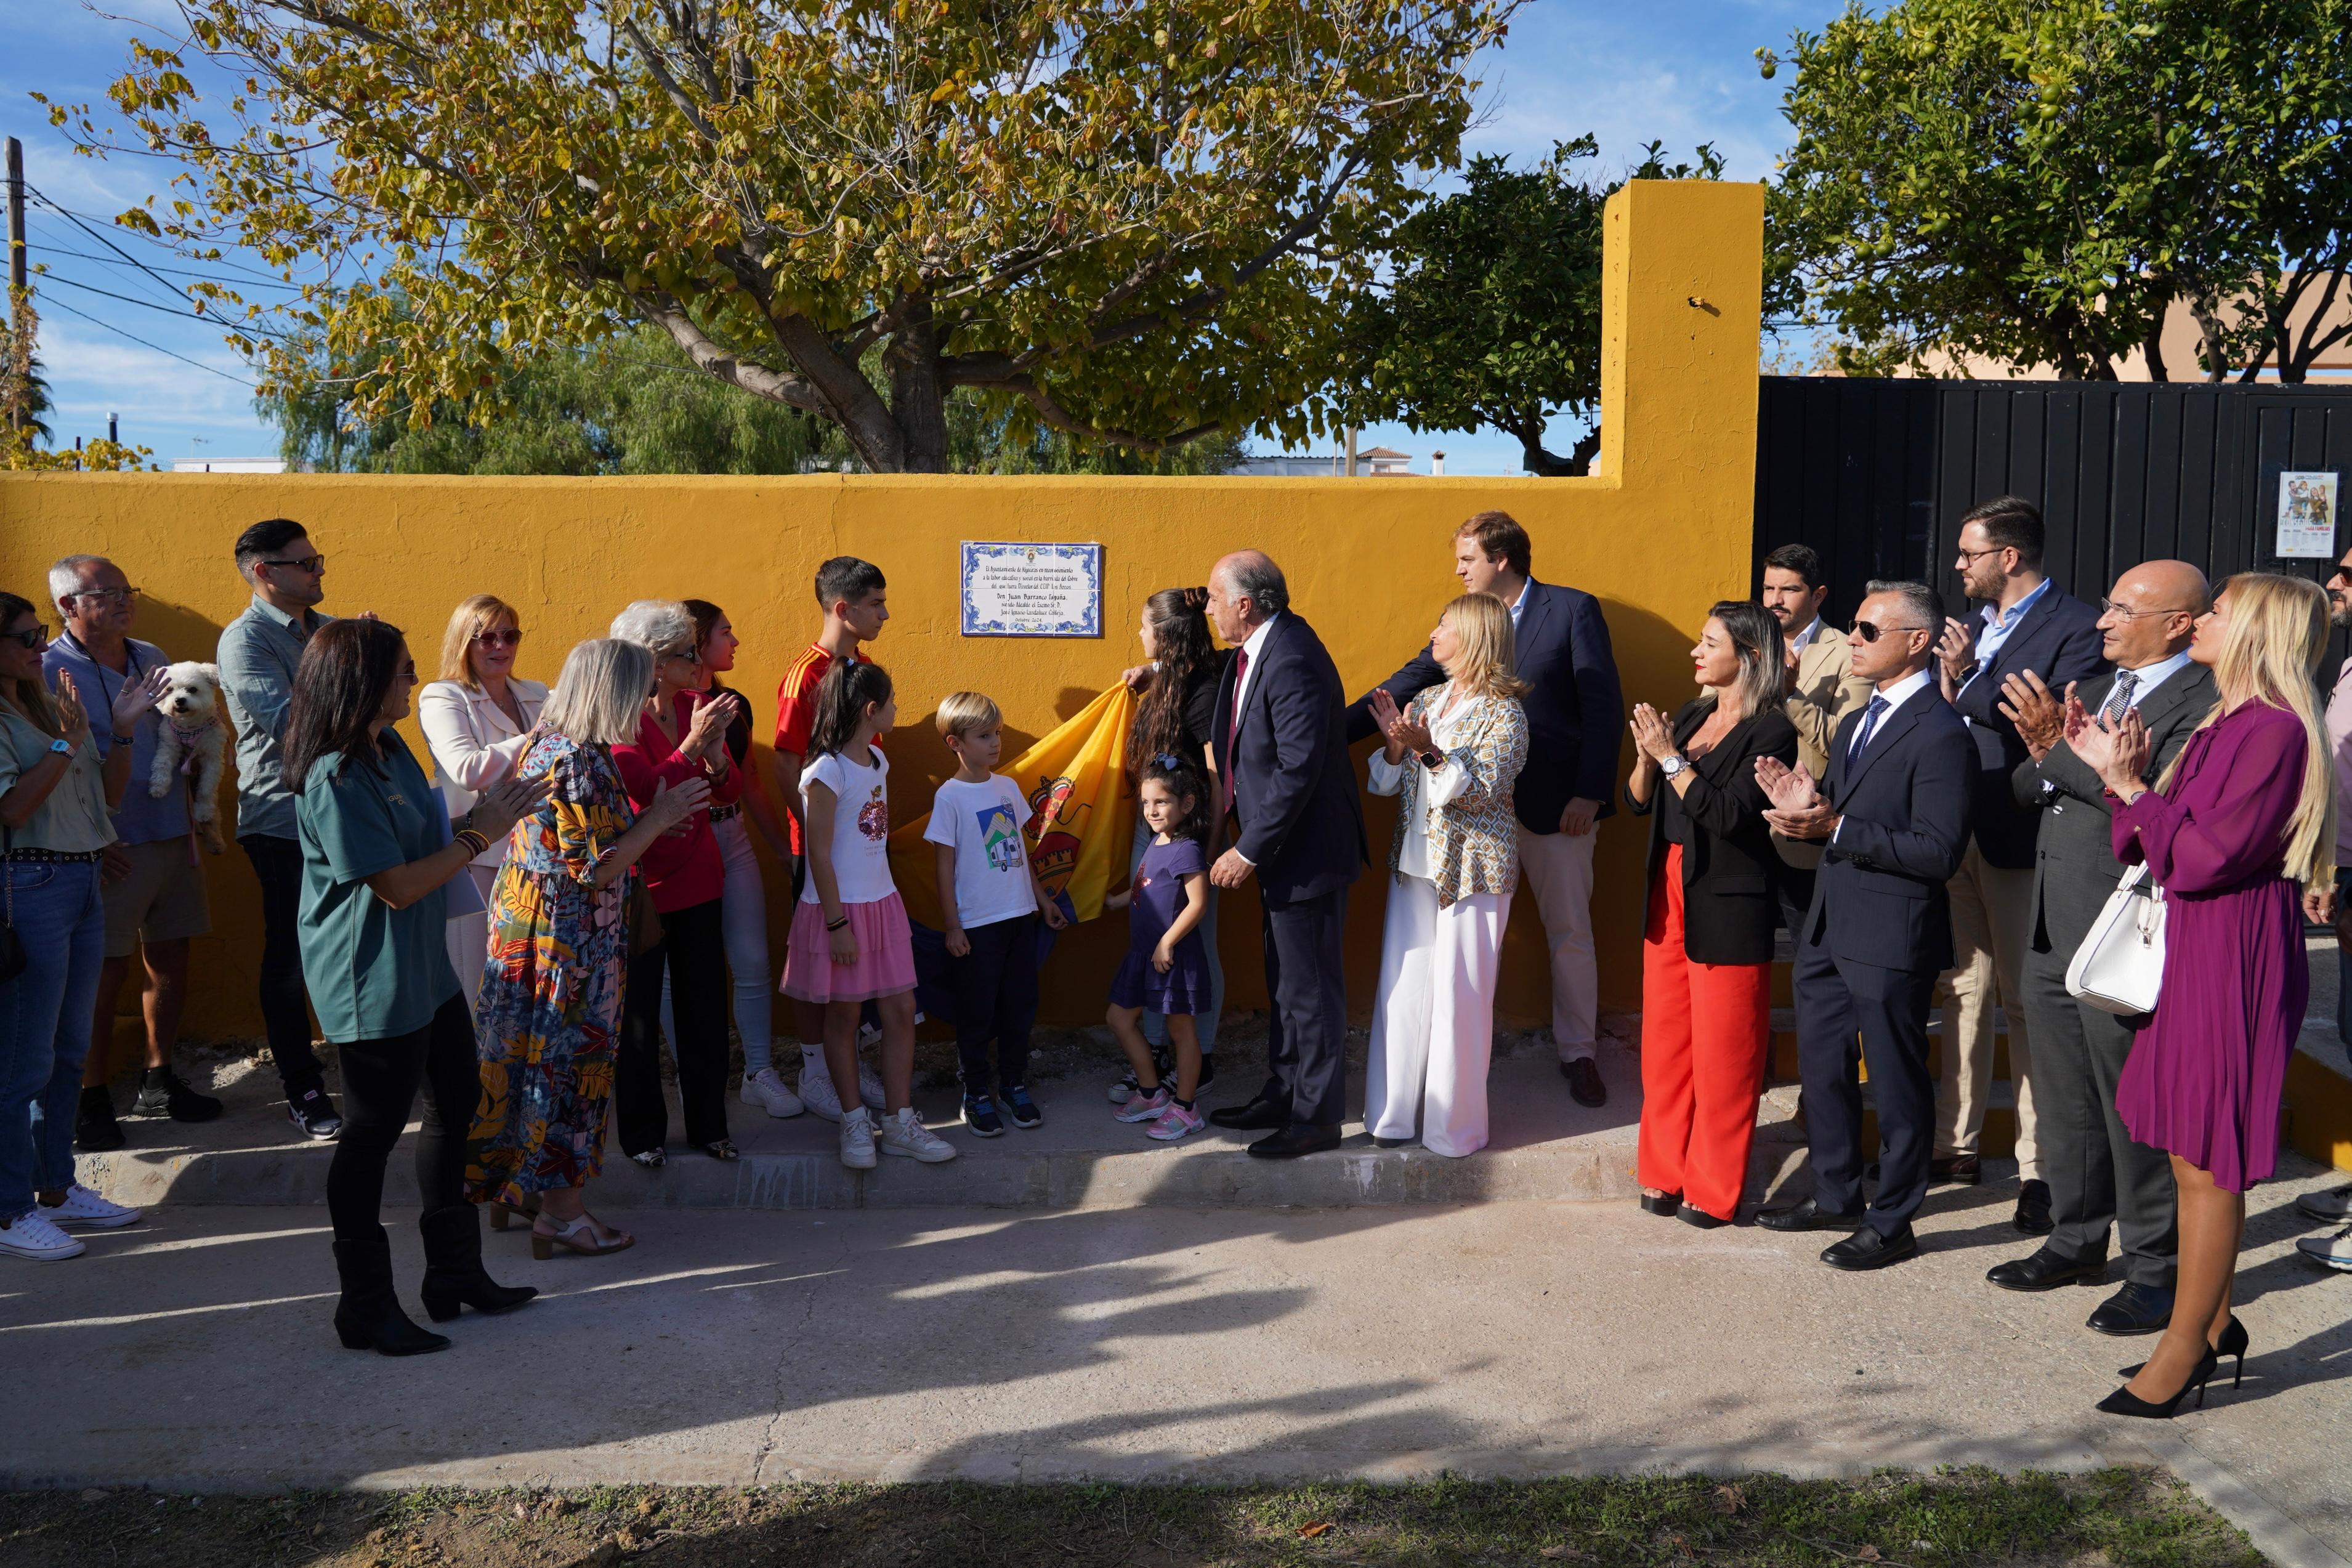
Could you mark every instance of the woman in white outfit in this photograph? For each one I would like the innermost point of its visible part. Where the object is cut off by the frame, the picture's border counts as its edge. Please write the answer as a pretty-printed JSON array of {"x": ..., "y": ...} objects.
[
  {"x": 478, "y": 717},
  {"x": 1452, "y": 755}
]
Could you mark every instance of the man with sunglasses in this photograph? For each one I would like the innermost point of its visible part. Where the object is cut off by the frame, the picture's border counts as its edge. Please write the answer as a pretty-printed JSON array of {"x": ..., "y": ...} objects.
[
  {"x": 1893, "y": 816},
  {"x": 259, "y": 651},
  {"x": 2028, "y": 624}
]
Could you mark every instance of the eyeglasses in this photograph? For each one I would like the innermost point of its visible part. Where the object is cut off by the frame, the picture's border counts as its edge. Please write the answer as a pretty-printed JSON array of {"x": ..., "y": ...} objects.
[
  {"x": 408, "y": 670},
  {"x": 314, "y": 564},
  {"x": 508, "y": 637},
  {"x": 1871, "y": 632},
  {"x": 1973, "y": 556},
  {"x": 33, "y": 638},
  {"x": 2108, "y": 606},
  {"x": 111, "y": 595}
]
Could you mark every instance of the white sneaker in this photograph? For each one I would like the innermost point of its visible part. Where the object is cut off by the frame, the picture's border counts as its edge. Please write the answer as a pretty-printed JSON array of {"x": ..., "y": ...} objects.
[
  {"x": 765, "y": 1090},
  {"x": 815, "y": 1089},
  {"x": 31, "y": 1236},
  {"x": 2329, "y": 1251},
  {"x": 2334, "y": 1206},
  {"x": 903, "y": 1132},
  {"x": 857, "y": 1140},
  {"x": 84, "y": 1207},
  {"x": 869, "y": 1087},
  {"x": 869, "y": 1034}
]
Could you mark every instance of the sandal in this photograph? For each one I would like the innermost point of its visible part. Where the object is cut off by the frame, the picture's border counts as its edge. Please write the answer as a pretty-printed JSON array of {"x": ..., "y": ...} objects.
[
  {"x": 724, "y": 1149},
  {"x": 503, "y": 1214},
  {"x": 652, "y": 1159},
  {"x": 570, "y": 1237}
]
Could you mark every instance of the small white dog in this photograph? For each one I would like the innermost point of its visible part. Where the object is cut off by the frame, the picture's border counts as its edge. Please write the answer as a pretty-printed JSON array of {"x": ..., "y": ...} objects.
[{"x": 191, "y": 741}]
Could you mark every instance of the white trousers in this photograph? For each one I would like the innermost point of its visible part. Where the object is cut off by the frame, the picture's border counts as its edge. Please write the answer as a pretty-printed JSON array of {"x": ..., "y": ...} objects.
[
  {"x": 1558, "y": 869},
  {"x": 1434, "y": 1024},
  {"x": 743, "y": 926},
  {"x": 469, "y": 935}
]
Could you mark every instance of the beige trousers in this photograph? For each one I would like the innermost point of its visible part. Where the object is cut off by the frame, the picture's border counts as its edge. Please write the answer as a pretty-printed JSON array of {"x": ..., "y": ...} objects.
[
  {"x": 1558, "y": 869},
  {"x": 1992, "y": 912}
]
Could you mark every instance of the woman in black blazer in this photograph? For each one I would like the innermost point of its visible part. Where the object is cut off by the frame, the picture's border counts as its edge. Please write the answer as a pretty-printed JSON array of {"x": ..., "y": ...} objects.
[{"x": 1707, "y": 945}]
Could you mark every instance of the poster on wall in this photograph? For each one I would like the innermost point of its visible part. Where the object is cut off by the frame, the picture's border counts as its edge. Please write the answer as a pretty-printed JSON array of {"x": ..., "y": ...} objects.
[
  {"x": 2307, "y": 516},
  {"x": 1021, "y": 590}
]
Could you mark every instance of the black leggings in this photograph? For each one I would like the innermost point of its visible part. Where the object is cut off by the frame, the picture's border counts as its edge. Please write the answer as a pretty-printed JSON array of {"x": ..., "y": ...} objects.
[
  {"x": 694, "y": 948},
  {"x": 380, "y": 1082},
  {"x": 285, "y": 1004}
]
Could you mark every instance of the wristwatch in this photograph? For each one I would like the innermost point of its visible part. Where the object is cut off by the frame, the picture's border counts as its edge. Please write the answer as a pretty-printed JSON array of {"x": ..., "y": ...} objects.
[
  {"x": 1672, "y": 766},
  {"x": 61, "y": 747},
  {"x": 1433, "y": 758}
]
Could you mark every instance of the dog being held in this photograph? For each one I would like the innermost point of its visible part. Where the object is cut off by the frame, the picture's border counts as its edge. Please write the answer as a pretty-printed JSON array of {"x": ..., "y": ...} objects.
[{"x": 191, "y": 741}]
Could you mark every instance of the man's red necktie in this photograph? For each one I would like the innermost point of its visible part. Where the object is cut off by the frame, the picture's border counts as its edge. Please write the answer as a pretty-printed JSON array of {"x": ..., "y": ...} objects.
[{"x": 1234, "y": 724}]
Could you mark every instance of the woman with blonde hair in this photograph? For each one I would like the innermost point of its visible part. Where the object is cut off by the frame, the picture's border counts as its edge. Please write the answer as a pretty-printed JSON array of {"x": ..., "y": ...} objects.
[
  {"x": 478, "y": 717},
  {"x": 2245, "y": 811},
  {"x": 1451, "y": 755}
]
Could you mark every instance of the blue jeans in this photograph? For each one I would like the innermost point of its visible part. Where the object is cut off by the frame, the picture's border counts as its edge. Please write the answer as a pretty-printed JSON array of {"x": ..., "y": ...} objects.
[
  {"x": 1155, "y": 1027},
  {"x": 44, "y": 1016}
]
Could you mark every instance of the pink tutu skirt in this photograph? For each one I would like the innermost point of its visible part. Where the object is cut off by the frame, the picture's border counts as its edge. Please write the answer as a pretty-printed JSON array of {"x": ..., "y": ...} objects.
[{"x": 886, "y": 954}]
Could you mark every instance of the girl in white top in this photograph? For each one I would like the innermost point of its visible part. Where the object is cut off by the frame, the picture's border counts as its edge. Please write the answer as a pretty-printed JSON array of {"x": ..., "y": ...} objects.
[
  {"x": 478, "y": 717},
  {"x": 850, "y": 941}
]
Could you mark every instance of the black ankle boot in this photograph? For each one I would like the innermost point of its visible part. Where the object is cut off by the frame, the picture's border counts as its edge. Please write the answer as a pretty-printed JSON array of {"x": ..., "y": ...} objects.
[
  {"x": 369, "y": 1317},
  {"x": 454, "y": 1275}
]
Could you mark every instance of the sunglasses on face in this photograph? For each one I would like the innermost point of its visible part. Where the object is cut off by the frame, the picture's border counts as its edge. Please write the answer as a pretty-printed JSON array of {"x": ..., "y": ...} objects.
[
  {"x": 314, "y": 564},
  {"x": 408, "y": 670},
  {"x": 1870, "y": 631},
  {"x": 33, "y": 638},
  {"x": 507, "y": 638}
]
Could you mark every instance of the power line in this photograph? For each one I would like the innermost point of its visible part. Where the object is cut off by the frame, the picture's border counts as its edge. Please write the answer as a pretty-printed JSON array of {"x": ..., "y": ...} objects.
[
  {"x": 161, "y": 310},
  {"x": 176, "y": 291},
  {"x": 183, "y": 271},
  {"x": 145, "y": 238},
  {"x": 143, "y": 344}
]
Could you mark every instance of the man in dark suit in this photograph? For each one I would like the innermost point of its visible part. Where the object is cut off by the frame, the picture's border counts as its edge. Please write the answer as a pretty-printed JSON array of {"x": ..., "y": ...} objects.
[
  {"x": 2097, "y": 1176},
  {"x": 1893, "y": 816},
  {"x": 2028, "y": 623},
  {"x": 1576, "y": 716},
  {"x": 1282, "y": 754}
]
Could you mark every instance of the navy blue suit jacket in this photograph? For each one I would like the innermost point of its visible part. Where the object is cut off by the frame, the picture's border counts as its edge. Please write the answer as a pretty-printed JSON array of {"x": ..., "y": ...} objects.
[
  {"x": 1907, "y": 802},
  {"x": 1576, "y": 712},
  {"x": 2058, "y": 640},
  {"x": 1294, "y": 796}
]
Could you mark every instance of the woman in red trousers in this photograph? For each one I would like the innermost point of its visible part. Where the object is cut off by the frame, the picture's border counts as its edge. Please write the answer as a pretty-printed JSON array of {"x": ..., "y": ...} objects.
[{"x": 1706, "y": 947}]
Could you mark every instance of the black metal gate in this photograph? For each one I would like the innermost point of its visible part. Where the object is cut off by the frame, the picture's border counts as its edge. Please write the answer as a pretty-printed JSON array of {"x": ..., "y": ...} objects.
[{"x": 1875, "y": 475}]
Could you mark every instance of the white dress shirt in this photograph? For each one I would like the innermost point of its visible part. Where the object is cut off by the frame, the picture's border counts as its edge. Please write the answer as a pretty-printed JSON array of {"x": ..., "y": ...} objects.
[
  {"x": 1894, "y": 697},
  {"x": 1804, "y": 639},
  {"x": 475, "y": 743},
  {"x": 1251, "y": 647}
]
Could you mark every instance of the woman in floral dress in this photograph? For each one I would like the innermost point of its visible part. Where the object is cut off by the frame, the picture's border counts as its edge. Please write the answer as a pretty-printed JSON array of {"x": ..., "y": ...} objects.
[{"x": 548, "y": 1017}]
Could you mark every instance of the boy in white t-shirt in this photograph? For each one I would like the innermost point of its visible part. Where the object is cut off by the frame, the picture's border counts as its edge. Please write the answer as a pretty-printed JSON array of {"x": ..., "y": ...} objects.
[{"x": 991, "y": 901}]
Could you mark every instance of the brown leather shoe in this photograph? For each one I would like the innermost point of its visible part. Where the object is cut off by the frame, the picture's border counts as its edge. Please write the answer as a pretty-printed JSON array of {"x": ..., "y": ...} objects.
[
  {"x": 1955, "y": 1170},
  {"x": 1584, "y": 1085}
]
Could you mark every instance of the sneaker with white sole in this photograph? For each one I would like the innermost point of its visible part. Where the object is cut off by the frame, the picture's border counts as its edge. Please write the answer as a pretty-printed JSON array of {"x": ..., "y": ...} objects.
[
  {"x": 2333, "y": 1206},
  {"x": 1175, "y": 1123},
  {"x": 1127, "y": 1086},
  {"x": 857, "y": 1140},
  {"x": 1148, "y": 1105},
  {"x": 29, "y": 1236},
  {"x": 765, "y": 1090},
  {"x": 816, "y": 1094},
  {"x": 2329, "y": 1251},
  {"x": 84, "y": 1207},
  {"x": 903, "y": 1132}
]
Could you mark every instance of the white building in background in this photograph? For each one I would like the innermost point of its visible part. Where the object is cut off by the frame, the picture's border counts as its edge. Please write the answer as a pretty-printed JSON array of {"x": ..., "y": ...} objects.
[
  {"x": 1375, "y": 461},
  {"x": 229, "y": 465}
]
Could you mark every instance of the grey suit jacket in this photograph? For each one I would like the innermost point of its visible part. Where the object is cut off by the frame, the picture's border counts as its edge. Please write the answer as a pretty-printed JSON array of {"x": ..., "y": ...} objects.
[{"x": 2075, "y": 864}]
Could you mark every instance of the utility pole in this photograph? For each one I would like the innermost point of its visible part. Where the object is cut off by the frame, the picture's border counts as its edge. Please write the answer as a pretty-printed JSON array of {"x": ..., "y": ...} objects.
[
  {"x": 113, "y": 433},
  {"x": 1351, "y": 451},
  {"x": 16, "y": 270}
]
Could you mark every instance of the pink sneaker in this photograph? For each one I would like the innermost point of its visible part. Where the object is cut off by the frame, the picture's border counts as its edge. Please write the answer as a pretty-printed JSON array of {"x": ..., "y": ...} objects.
[
  {"x": 1144, "y": 1107},
  {"x": 1176, "y": 1121}
]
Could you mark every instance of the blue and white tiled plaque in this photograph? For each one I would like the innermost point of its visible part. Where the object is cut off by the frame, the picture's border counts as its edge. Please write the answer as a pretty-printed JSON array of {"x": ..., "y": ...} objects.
[{"x": 1032, "y": 590}]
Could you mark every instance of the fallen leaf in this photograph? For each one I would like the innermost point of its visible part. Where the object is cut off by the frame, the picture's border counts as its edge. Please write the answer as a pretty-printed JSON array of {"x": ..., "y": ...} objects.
[
  {"x": 1729, "y": 1499},
  {"x": 1866, "y": 1553},
  {"x": 1321, "y": 1527}
]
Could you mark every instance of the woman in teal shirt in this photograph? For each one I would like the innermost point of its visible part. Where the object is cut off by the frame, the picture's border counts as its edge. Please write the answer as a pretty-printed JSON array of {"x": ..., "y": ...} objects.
[{"x": 377, "y": 854}]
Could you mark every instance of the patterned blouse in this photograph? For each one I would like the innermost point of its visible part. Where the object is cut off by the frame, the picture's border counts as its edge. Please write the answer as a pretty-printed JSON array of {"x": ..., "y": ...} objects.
[{"x": 1463, "y": 805}]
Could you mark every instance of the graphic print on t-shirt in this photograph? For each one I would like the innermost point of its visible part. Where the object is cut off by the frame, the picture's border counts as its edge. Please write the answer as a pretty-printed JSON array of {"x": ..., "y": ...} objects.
[
  {"x": 1000, "y": 837},
  {"x": 874, "y": 816}
]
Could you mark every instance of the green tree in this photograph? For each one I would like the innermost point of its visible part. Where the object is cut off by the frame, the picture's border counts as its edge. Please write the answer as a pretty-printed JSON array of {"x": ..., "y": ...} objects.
[
  {"x": 1123, "y": 221},
  {"x": 2036, "y": 181},
  {"x": 1490, "y": 312}
]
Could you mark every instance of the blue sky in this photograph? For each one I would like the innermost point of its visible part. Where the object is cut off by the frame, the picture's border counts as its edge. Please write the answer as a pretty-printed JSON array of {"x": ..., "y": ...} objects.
[{"x": 1680, "y": 70}]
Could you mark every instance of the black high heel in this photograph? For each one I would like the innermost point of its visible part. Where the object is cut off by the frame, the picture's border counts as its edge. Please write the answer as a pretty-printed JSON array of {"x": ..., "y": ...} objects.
[
  {"x": 2123, "y": 1402},
  {"x": 2234, "y": 1341},
  {"x": 1665, "y": 1204}
]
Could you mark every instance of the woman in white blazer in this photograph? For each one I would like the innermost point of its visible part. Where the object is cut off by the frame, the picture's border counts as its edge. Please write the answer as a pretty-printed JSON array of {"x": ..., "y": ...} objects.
[{"x": 478, "y": 717}]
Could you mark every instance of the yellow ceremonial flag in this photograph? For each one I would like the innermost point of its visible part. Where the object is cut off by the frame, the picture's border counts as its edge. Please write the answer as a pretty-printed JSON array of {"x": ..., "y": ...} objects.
[{"x": 1081, "y": 824}]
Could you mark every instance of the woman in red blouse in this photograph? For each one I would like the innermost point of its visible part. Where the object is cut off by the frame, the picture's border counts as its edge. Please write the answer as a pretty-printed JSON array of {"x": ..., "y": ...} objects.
[{"x": 684, "y": 872}]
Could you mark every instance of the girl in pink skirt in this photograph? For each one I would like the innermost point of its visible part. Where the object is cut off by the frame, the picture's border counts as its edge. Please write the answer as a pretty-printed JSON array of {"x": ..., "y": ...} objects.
[{"x": 850, "y": 942}]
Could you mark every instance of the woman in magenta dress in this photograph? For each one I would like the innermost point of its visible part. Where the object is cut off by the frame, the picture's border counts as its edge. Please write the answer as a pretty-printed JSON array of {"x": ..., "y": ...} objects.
[{"x": 2245, "y": 814}]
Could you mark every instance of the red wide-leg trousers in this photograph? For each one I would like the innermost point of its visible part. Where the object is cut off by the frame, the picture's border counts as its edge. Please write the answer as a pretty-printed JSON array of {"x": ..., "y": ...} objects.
[{"x": 1706, "y": 1029}]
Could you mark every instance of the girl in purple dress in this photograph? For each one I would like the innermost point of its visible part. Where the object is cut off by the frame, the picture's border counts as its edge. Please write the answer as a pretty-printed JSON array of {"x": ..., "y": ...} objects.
[
  {"x": 1167, "y": 968},
  {"x": 2245, "y": 813}
]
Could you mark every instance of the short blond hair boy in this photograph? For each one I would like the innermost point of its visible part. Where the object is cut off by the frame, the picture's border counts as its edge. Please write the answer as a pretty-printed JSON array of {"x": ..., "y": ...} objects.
[{"x": 965, "y": 713}]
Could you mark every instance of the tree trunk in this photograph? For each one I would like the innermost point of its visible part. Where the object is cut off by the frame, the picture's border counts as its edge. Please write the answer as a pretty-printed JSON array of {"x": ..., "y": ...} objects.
[
  {"x": 1543, "y": 463},
  {"x": 917, "y": 400}
]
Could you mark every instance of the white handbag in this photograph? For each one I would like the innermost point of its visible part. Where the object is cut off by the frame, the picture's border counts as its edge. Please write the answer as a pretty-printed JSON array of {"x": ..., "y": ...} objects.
[{"x": 2119, "y": 968}]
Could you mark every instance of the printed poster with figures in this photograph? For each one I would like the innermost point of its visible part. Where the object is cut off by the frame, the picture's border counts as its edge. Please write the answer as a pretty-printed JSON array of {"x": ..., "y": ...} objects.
[{"x": 2307, "y": 516}]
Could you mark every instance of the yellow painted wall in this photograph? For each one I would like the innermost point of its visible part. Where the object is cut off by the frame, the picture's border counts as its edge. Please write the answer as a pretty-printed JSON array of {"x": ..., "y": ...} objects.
[{"x": 1661, "y": 531}]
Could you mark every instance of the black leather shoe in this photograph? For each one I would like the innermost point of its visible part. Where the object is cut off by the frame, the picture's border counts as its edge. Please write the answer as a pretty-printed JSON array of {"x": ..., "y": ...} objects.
[
  {"x": 1866, "y": 1248},
  {"x": 1380, "y": 1142},
  {"x": 1296, "y": 1140},
  {"x": 2136, "y": 1309},
  {"x": 2033, "y": 1209},
  {"x": 1584, "y": 1085},
  {"x": 2046, "y": 1271},
  {"x": 1259, "y": 1115},
  {"x": 1807, "y": 1215}
]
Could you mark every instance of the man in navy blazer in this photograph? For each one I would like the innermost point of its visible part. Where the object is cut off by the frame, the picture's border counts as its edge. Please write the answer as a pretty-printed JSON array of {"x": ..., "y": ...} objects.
[
  {"x": 2028, "y": 623},
  {"x": 1280, "y": 732},
  {"x": 1893, "y": 816},
  {"x": 1576, "y": 716}
]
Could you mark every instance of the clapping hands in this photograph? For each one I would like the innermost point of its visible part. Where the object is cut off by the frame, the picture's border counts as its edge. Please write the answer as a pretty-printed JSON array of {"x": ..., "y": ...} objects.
[
  {"x": 2117, "y": 751},
  {"x": 1403, "y": 734},
  {"x": 1798, "y": 809},
  {"x": 2037, "y": 711}
]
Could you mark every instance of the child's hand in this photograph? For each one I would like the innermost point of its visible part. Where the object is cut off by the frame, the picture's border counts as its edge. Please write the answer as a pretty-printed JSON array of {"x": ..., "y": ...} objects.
[
  {"x": 1055, "y": 919},
  {"x": 1119, "y": 900},
  {"x": 844, "y": 943},
  {"x": 1163, "y": 957},
  {"x": 958, "y": 944}
]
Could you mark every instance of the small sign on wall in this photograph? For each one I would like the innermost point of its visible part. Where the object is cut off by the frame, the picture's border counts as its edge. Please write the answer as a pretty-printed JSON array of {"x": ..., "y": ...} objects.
[
  {"x": 2307, "y": 516},
  {"x": 1018, "y": 590}
]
